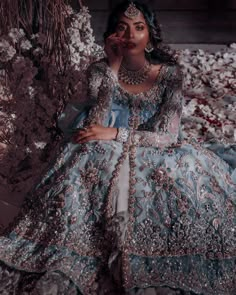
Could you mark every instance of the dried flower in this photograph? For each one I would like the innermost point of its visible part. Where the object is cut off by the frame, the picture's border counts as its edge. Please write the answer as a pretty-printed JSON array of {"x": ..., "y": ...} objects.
[
  {"x": 25, "y": 45},
  {"x": 7, "y": 51},
  {"x": 16, "y": 34}
]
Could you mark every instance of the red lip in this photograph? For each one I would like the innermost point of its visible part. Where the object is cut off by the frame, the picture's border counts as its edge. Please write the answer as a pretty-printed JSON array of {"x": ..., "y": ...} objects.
[{"x": 130, "y": 45}]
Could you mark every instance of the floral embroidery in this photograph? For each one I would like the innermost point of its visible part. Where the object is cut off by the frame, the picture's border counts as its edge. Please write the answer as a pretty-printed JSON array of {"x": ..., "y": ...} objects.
[{"x": 179, "y": 228}]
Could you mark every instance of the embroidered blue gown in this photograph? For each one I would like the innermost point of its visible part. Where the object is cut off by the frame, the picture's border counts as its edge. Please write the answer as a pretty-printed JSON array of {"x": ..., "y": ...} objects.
[{"x": 152, "y": 215}]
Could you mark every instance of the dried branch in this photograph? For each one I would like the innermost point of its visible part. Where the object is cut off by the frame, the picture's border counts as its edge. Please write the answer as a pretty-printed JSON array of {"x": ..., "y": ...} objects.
[{"x": 38, "y": 16}]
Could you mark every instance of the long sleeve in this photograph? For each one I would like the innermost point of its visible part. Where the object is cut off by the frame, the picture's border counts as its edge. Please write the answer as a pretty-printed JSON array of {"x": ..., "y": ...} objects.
[
  {"x": 101, "y": 86},
  {"x": 162, "y": 129}
]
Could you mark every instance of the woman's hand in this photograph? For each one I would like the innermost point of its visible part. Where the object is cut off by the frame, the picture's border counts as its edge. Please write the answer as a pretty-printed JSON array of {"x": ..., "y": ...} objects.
[
  {"x": 114, "y": 50},
  {"x": 95, "y": 132}
]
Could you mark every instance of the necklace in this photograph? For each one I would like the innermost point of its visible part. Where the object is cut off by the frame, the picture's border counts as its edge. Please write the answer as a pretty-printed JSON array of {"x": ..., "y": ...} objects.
[{"x": 136, "y": 77}]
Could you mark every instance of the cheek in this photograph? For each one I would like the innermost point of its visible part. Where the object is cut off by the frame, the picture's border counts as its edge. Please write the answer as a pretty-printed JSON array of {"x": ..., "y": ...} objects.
[
  {"x": 143, "y": 39},
  {"x": 143, "y": 36}
]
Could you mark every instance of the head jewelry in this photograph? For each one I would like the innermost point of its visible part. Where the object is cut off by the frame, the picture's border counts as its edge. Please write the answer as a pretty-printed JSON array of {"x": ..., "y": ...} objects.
[{"x": 131, "y": 11}]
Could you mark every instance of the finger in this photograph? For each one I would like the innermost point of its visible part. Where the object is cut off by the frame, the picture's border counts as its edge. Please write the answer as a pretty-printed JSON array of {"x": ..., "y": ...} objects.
[
  {"x": 120, "y": 50},
  {"x": 117, "y": 41},
  {"x": 83, "y": 136},
  {"x": 114, "y": 39},
  {"x": 85, "y": 129},
  {"x": 79, "y": 135},
  {"x": 78, "y": 130},
  {"x": 113, "y": 45},
  {"x": 87, "y": 139},
  {"x": 114, "y": 35},
  {"x": 82, "y": 132}
]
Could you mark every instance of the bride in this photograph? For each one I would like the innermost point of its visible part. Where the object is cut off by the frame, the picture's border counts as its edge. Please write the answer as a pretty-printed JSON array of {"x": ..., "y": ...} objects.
[{"x": 127, "y": 207}]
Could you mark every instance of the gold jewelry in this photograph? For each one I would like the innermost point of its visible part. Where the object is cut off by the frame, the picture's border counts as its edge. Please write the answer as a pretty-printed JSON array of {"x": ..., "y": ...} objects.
[
  {"x": 132, "y": 77},
  {"x": 132, "y": 11}
]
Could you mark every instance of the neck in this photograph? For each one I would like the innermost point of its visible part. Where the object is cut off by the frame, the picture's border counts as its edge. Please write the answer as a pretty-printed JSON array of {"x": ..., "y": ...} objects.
[{"x": 134, "y": 62}]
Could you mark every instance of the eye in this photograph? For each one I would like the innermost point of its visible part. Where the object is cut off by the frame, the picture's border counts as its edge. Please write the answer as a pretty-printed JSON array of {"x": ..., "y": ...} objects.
[
  {"x": 139, "y": 28},
  {"x": 121, "y": 28}
]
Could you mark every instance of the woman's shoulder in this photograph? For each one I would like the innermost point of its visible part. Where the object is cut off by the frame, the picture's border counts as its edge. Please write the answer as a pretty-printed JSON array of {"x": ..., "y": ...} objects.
[
  {"x": 173, "y": 68},
  {"x": 173, "y": 74},
  {"x": 100, "y": 66}
]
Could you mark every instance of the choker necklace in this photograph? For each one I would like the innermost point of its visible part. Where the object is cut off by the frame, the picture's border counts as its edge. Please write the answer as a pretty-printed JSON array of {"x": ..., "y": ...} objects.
[{"x": 134, "y": 77}]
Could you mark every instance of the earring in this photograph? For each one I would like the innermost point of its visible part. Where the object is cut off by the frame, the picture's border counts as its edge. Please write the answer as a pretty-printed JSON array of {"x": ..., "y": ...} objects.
[{"x": 149, "y": 48}]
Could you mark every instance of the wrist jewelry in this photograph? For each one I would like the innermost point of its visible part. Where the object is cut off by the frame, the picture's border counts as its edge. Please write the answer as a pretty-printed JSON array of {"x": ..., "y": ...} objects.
[{"x": 122, "y": 135}]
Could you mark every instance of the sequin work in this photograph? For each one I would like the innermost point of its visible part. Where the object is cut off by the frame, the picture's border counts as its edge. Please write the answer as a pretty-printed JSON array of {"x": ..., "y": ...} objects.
[{"x": 147, "y": 211}]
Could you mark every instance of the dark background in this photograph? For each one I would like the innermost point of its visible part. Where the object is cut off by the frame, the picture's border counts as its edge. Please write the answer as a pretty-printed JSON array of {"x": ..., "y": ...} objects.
[{"x": 182, "y": 21}]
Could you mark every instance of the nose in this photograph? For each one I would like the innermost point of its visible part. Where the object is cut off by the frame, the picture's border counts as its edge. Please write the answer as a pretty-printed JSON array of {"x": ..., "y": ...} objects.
[{"x": 129, "y": 33}]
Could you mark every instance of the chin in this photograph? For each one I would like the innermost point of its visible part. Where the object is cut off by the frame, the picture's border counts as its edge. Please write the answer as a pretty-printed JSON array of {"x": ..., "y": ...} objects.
[{"x": 132, "y": 52}]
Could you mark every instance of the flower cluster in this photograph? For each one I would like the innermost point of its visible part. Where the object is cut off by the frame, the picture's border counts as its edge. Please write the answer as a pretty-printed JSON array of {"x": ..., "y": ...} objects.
[
  {"x": 81, "y": 39},
  {"x": 210, "y": 118},
  {"x": 33, "y": 92},
  {"x": 7, "y": 51},
  {"x": 209, "y": 73},
  {"x": 210, "y": 94}
]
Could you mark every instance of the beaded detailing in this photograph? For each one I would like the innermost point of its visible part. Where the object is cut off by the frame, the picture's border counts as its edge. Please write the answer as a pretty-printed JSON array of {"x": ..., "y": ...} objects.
[
  {"x": 134, "y": 77},
  {"x": 132, "y": 12},
  {"x": 122, "y": 135}
]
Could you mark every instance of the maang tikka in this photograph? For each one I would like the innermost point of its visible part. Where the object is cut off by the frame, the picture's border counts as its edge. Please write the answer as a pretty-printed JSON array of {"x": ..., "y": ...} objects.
[{"x": 132, "y": 11}]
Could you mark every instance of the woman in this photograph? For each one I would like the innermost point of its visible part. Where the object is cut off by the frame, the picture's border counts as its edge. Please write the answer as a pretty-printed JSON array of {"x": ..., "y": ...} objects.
[{"x": 127, "y": 208}]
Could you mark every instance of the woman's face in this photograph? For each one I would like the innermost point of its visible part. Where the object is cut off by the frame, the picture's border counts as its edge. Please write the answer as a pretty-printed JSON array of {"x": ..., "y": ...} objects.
[{"x": 135, "y": 32}]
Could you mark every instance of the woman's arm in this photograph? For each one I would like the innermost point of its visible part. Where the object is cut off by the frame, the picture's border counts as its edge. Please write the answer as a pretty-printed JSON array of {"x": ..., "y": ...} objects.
[
  {"x": 101, "y": 86},
  {"x": 102, "y": 82},
  {"x": 162, "y": 129}
]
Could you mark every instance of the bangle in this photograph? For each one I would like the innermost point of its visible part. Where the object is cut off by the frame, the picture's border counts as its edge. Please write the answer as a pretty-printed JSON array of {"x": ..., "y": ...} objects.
[
  {"x": 117, "y": 131},
  {"x": 122, "y": 134}
]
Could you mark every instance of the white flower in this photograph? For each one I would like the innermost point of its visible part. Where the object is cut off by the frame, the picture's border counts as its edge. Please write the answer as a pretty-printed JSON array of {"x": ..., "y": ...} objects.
[
  {"x": 25, "y": 45},
  {"x": 34, "y": 36},
  {"x": 16, "y": 34},
  {"x": 76, "y": 58},
  {"x": 211, "y": 129},
  {"x": 233, "y": 46},
  {"x": 28, "y": 150},
  {"x": 7, "y": 51},
  {"x": 72, "y": 49},
  {"x": 68, "y": 10},
  {"x": 38, "y": 51},
  {"x": 31, "y": 91}
]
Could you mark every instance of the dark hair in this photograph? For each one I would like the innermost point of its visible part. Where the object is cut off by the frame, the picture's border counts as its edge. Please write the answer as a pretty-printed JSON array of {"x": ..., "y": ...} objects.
[{"x": 161, "y": 53}]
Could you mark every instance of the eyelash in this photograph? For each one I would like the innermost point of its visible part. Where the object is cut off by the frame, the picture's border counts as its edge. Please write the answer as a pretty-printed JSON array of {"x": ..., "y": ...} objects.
[
  {"x": 138, "y": 28},
  {"x": 120, "y": 28}
]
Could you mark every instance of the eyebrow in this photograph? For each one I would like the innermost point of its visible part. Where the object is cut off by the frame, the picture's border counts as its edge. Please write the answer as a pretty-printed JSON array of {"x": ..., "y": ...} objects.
[{"x": 136, "y": 23}]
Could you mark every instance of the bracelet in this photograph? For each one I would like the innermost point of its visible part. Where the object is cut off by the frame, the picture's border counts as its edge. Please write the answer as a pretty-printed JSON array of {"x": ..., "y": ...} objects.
[{"x": 122, "y": 134}]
